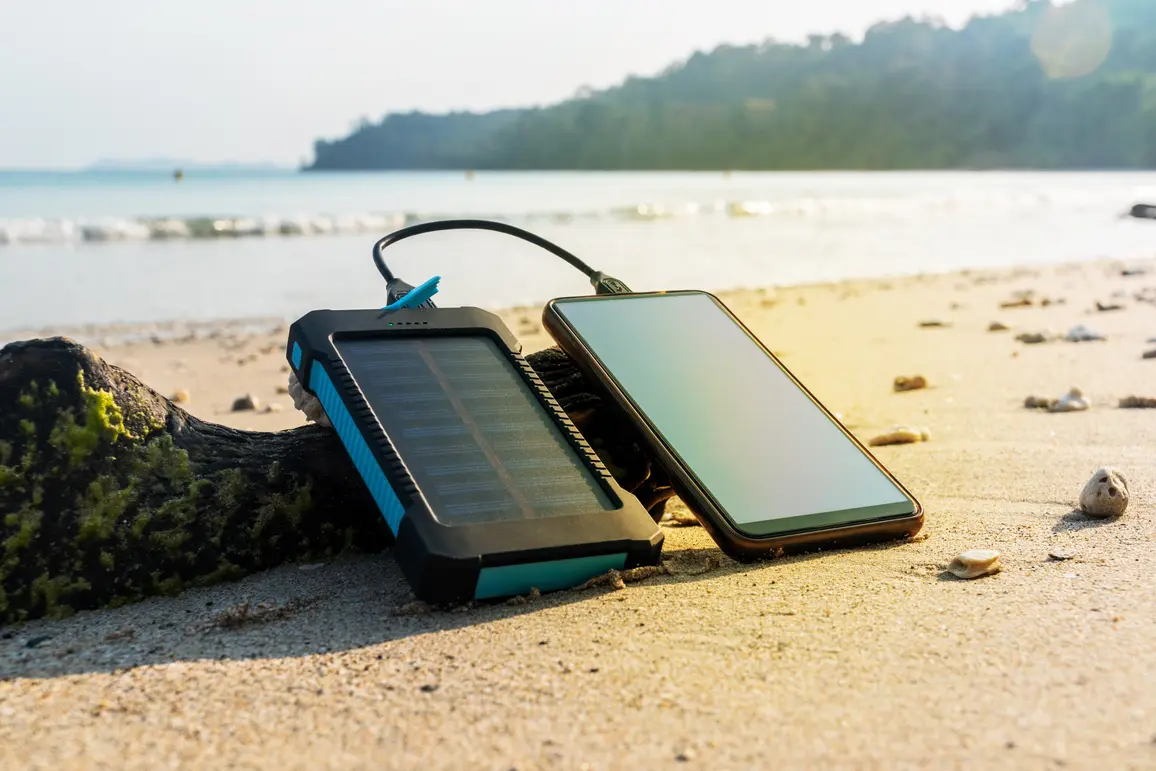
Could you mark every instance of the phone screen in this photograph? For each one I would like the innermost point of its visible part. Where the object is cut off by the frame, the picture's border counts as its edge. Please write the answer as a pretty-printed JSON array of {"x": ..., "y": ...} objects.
[{"x": 767, "y": 455}]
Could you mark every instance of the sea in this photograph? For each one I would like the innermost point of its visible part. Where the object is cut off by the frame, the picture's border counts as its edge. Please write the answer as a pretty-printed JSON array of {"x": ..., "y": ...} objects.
[{"x": 79, "y": 249}]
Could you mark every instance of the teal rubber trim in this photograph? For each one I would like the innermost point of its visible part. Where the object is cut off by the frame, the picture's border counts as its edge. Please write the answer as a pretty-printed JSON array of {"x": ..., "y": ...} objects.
[
  {"x": 355, "y": 444},
  {"x": 296, "y": 355},
  {"x": 509, "y": 580}
]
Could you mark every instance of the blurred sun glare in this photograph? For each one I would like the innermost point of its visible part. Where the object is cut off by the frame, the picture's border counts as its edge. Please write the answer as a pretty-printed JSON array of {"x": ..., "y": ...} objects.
[{"x": 1072, "y": 40}]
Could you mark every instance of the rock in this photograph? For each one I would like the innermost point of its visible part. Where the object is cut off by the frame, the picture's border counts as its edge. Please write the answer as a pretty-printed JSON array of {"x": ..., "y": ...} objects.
[
  {"x": 1039, "y": 402},
  {"x": 1138, "y": 403},
  {"x": 1081, "y": 334},
  {"x": 1032, "y": 338},
  {"x": 975, "y": 563},
  {"x": 1103, "y": 307},
  {"x": 933, "y": 324},
  {"x": 1129, "y": 272},
  {"x": 901, "y": 435},
  {"x": 1059, "y": 555},
  {"x": 1073, "y": 401},
  {"x": 1105, "y": 494},
  {"x": 913, "y": 383},
  {"x": 273, "y": 407},
  {"x": 282, "y": 389},
  {"x": 307, "y": 402},
  {"x": 180, "y": 397},
  {"x": 996, "y": 326},
  {"x": 1149, "y": 354},
  {"x": 246, "y": 402},
  {"x": 36, "y": 642},
  {"x": 1019, "y": 302}
]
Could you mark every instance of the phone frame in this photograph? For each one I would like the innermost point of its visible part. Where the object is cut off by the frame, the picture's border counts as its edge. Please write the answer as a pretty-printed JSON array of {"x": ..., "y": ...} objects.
[{"x": 730, "y": 539}]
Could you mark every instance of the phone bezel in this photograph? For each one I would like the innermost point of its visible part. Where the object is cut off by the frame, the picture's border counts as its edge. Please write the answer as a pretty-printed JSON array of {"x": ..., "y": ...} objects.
[{"x": 730, "y": 537}]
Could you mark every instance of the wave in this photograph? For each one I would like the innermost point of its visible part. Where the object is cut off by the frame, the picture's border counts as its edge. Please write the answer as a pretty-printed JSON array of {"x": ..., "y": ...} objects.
[{"x": 43, "y": 230}]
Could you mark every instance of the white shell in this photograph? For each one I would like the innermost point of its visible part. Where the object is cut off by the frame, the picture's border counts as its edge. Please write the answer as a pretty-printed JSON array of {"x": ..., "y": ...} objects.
[
  {"x": 1105, "y": 494},
  {"x": 307, "y": 402},
  {"x": 975, "y": 563},
  {"x": 1073, "y": 401},
  {"x": 1080, "y": 334}
]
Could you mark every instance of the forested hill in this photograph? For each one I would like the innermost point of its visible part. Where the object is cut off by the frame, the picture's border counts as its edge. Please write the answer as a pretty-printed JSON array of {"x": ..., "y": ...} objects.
[{"x": 1072, "y": 86}]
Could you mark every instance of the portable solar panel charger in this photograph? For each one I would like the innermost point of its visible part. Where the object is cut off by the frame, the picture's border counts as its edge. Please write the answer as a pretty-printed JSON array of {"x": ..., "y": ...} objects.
[{"x": 488, "y": 487}]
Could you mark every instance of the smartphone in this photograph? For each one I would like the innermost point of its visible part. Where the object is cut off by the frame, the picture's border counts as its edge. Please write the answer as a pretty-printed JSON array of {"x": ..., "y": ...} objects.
[{"x": 763, "y": 465}]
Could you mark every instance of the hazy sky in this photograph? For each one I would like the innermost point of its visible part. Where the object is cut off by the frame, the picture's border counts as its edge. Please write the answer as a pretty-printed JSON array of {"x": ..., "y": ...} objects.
[{"x": 259, "y": 80}]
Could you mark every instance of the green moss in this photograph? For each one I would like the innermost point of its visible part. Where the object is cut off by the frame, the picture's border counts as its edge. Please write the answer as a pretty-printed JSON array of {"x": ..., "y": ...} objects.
[
  {"x": 103, "y": 422},
  {"x": 171, "y": 540},
  {"x": 226, "y": 571},
  {"x": 53, "y": 391},
  {"x": 27, "y": 401},
  {"x": 5, "y": 452},
  {"x": 27, "y": 427},
  {"x": 230, "y": 485},
  {"x": 106, "y": 561},
  {"x": 51, "y": 590},
  {"x": 7, "y": 475},
  {"x": 168, "y": 586},
  {"x": 101, "y": 508},
  {"x": 27, "y": 522}
]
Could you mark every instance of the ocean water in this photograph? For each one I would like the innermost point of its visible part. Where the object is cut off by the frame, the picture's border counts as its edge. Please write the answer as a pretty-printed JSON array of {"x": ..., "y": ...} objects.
[{"x": 131, "y": 247}]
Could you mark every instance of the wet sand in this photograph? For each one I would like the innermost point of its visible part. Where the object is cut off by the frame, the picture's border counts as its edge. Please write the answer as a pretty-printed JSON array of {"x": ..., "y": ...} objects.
[{"x": 864, "y": 658}]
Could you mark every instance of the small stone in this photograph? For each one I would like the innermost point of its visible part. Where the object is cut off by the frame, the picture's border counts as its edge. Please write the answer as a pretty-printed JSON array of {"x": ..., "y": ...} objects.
[
  {"x": 1060, "y": 555},
  {"x": 246, "y": 402},
  {"x": 1081, "y": 334},
  {"x": 1138, "y": 403},
  {"x": 684, "y": 755},
  {"x": 282, "y": 389},
  {"x": 273, "y": 407},
  {"x": 36, "y": 642},
  {"x": 901, "y": 435},
  {"x": 996, "y": 326},
  {"x": 933, "y": 324},
  {"x": 1039, "y": 402},
  {"x": 1073, "y": 401},
  {"x": 975, "y": 563},
  {"x": 1032, "y": 338},
  {"x": 1104, "y": 307},
  {"x": 429, "y": 688},
  {"x": 1105, "y": 494},
  {"x": 181, "y": 396},
  {"x": 1019, "y": 302},
  {"x": 913, "y": 383},
  {"x": 1149, "y": 354}
]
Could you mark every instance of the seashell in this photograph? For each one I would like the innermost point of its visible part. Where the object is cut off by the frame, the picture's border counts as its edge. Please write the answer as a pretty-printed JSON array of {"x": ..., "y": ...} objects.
[
  {"x": 307, "y": 402},
  {"x": 1032, "y": 338},
  {"x": 1137, "y": 403},
  {"x": 901, "y": 435},
  {"x": 996, "y": 326},
  {"x": 1081, "y": 334},
  {"x": 1059, "y": 555},
  {"x": 1073, "y": 401},
  {"x": 181, "y": 396},
  {"x": 975, "y": 563},
  {"x": 1039, "y": 402},
  {"x": 1105, "y": 494},
  {"x": 910, "y": 383}
]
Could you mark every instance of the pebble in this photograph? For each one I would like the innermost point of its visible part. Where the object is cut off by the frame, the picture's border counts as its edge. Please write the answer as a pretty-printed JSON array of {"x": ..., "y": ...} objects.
[
  {"x": 273, "y": 407},
  {"x": 684, "y": 756},
  {"x": 1149, "y": 354},
  {"x": 901, "y": 435},
  {"x": 282, "y": 389},
  {"x": 1021, "y": 302},
  {"x": 1031, "y": 338},
  {"x": 1103, "y": 307},
  {"x": 1138, "y": 403},
  {"x": 36, "y": 642},
  {"x": 913, "y": 383},
  {"x": 1061, "y": 554},
  {"x": 1081, "y": 334},
  {"x": 246, "y": 402},
  {"x": 933, "y": 324},
  {"x": 181, "y": 396},
  {"x": 996, "y": 326},
  {"x": 1105, "y": 494},
  {"x": 975, "y": 563}
]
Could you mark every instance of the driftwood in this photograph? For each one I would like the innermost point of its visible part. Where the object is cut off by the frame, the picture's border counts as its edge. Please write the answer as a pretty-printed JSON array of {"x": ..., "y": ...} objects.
[{"x": 110, "y": 493}]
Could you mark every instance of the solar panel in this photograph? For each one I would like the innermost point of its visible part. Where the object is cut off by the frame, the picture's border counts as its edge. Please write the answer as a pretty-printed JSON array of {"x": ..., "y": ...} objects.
[{"x": 475, "y": 438}]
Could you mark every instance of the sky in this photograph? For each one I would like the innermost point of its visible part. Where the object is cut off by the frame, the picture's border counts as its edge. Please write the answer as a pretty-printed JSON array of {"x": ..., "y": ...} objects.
[{"x": 257, "y": 81}]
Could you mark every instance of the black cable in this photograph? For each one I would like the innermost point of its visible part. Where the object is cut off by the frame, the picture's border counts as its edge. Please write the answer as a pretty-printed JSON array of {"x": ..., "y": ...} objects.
[{"x": 397, "y": 288}]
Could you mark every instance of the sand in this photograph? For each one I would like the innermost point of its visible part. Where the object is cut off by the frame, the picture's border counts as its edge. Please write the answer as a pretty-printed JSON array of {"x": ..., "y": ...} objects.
[{"x": 865, "y": 658}]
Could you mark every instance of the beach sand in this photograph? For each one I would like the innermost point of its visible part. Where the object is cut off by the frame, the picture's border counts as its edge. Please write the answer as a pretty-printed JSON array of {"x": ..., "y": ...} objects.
[{"x": 865, "y": 658}]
